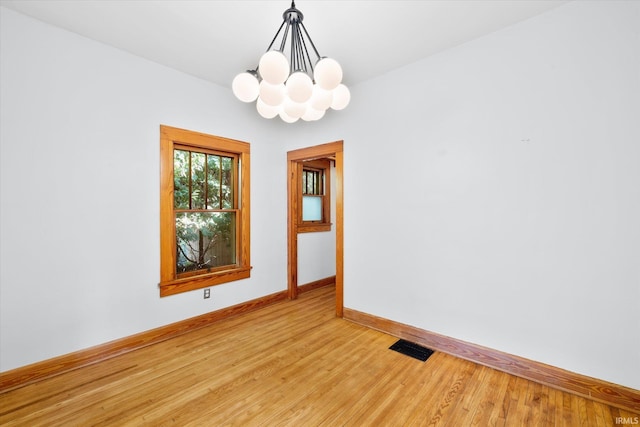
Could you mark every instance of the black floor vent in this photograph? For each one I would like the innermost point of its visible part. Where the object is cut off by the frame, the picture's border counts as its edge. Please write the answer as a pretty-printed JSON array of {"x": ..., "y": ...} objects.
[{"x": 411, "y": 349}]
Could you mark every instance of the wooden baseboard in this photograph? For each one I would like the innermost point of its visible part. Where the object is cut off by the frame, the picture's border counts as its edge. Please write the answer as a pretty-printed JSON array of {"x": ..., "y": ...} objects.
[
  {"x": 327, "y": 281},
  {"x": 581, "y": 385},
  {"x": 29, "y": 374}
]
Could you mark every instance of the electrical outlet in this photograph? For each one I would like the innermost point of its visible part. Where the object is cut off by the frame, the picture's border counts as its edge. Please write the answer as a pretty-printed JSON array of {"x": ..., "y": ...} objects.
[{"x": 207, "y": 293}]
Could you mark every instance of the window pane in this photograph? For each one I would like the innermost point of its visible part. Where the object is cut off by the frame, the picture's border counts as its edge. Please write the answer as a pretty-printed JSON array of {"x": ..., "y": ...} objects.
[
  {"x": 304, "y": 182},
  {"x": 227, "y": 183},
  {"x": 197, "y": 181},
  {"x": 213, "y": 182},
  {"x": 205, "y": 240},
  {"x": 311, "y": 182},
  {"x": 311, "y": 178},
  {"x": 311, "y": 208},
  {"x": 181, "y": 179},
  {"x": 316, "y": 183}
]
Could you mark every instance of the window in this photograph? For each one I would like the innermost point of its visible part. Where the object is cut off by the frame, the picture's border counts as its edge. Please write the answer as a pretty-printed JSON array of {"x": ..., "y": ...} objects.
[
  {"x": 315, "y": 195},
  {"x": 204, "y": 210}
]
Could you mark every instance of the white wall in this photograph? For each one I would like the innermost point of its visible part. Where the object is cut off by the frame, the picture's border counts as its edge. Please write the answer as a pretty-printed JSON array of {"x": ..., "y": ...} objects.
[
  {"x": 509, "y": 215},
  {"x": 80, "y": 191},
  {"x": 317, "y": 251}
]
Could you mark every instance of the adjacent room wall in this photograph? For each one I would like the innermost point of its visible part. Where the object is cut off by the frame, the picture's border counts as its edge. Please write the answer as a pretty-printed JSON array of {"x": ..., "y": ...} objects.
[
  {"x": 492, "y": 192},
  {"x": 80, "y": 191},
  {"x": 317, "y": 251}
]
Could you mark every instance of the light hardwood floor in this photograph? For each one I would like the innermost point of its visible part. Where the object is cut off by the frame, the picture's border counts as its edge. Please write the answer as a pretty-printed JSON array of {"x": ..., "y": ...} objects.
[{"x": 292, "y": 364}]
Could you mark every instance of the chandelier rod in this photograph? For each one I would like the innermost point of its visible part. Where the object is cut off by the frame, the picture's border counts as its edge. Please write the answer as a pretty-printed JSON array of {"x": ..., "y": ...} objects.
[
  {"x": 294, "y": 49},
  {"x": 298, "y": 39},
  {"x": 276, "y": 36},
  {"x": 285, "y": 36},
  {"x": 304, "y": 44},
  {"x": 310, "y": 41},
  {"x": 298, "y": 62}
]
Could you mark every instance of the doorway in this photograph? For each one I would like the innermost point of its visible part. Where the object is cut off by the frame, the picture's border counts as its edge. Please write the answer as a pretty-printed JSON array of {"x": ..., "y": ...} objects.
[{"x": 332, "y": 150}]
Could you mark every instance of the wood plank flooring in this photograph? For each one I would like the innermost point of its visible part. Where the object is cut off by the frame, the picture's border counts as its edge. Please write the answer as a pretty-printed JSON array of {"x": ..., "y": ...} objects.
[{"x": 292, "y": 364}]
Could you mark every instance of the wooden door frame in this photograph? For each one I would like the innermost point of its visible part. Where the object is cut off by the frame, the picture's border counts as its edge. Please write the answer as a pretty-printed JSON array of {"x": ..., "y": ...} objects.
[{"x": 331, "y": 149}]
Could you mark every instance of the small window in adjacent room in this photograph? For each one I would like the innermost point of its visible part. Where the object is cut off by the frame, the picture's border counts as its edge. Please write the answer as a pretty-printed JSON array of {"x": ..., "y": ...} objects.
[
  {"x": 312, "y": 193},
  {"x": 314, "y": 196},
  {"x": 204, "y": 214}
]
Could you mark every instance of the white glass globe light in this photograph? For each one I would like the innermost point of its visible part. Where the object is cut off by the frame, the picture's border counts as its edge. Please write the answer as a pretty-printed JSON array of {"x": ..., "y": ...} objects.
[
  {"x": 341, "y": 97},
  {"x": 312, "y": 115},
  {"x": 328, "y": 73},
  {"x": 287, "y": 118},
  {"x": 265, "y": 110},
  {"x": 294, "y": 109},
  {"x": 245, "y": 87},
  {"x": 274, "y": 67},
  {"x": 272, "y": 94},
  {"x": 299, "y": 87},
  {"x": 320, "y": 99}
]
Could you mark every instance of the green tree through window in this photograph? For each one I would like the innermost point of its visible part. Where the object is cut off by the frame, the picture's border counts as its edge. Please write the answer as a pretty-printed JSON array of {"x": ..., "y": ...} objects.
[{"x": 203, "y": 203}]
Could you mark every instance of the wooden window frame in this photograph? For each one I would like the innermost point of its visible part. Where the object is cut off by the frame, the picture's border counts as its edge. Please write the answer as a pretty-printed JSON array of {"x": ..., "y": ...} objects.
[
  {"x": 324, "y": 166},
  {"x": 334, "y": 151},
  {"x": 170, "y": 282}
]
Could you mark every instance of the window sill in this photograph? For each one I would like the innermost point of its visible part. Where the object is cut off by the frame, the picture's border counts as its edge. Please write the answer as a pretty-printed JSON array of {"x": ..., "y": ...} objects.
[
  {"x": 314, "y": 228},
  {"x": 177, "y": 286}
]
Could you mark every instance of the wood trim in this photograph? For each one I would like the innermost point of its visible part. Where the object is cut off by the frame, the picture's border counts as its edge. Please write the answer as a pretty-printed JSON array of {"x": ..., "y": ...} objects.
[
  {"x": 327, "y": 281},
  {"x": 200, "y": 281},
  {"x": 29, "y": 374},
  {"x": 339, "y": 232},
  {"x": 581, "y": 385},
  {"x": 313, "y": 228},
  {"x": 315, "y": 152},
  {"x": 329, "y": 150},
  {"x": 167, "y": 224},
  {"x": 245, "y": 206},
  {"x": 292, "y": 228}
]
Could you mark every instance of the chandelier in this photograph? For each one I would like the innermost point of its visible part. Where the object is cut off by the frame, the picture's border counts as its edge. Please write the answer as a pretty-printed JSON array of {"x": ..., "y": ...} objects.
[{"x": 293, "y": 87}]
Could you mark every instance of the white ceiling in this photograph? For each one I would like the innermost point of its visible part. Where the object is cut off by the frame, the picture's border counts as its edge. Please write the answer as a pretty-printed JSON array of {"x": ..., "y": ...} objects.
[{"x": 215, "y": 40}]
